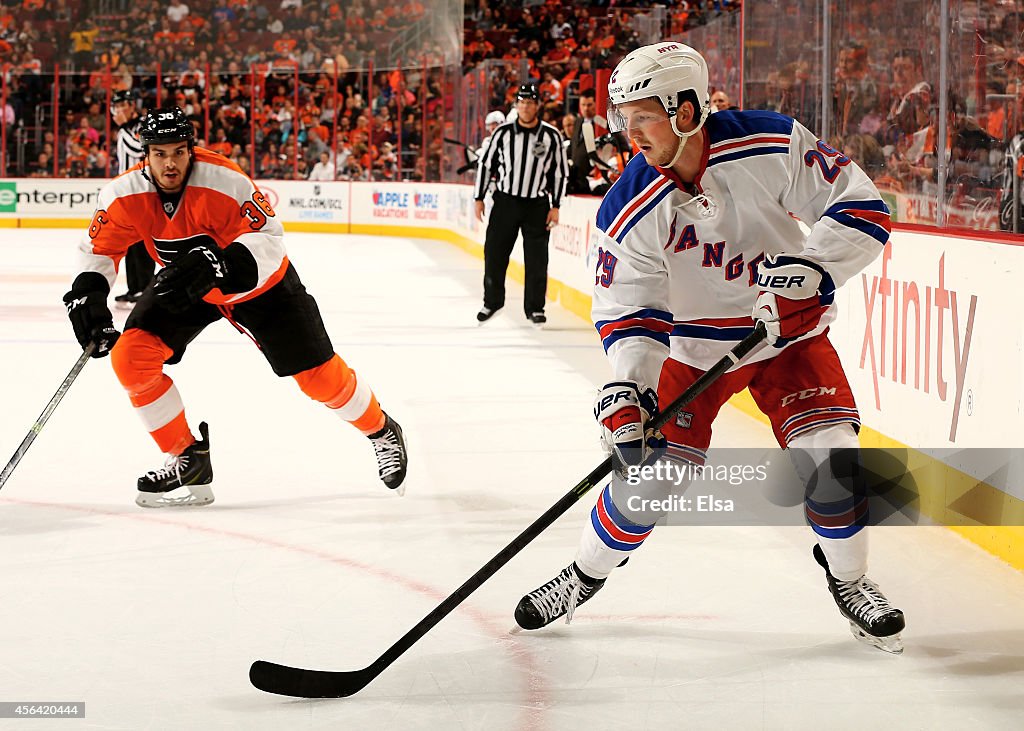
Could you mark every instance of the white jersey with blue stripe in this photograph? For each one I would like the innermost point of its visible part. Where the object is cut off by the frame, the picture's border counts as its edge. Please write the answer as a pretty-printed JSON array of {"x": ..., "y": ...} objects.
[{"x": 676, "y": 270}]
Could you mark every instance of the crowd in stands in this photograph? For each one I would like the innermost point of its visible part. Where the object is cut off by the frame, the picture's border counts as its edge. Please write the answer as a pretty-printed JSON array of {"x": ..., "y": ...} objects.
[
  {"x": 253, "y": 50},
  {"x": 559, "y": 44},
  {"x": 885, "y": 101},
  {"x": 280, "y": 86}
]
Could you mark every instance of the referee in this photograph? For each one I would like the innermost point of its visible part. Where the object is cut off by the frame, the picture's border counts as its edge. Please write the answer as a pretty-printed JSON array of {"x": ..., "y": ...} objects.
[
  {"x": 527, "y": 162},
  {"x": 137, "y": 263}
]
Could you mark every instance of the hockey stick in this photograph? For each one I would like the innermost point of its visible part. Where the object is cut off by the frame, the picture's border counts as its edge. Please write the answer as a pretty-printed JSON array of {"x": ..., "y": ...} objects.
[
  {"x": 301, "y": 683},
  {"x": 43, "y": 417}
]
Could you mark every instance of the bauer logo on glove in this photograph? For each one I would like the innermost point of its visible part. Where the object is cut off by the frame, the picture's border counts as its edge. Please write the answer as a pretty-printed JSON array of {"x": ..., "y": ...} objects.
[
  {"x": 795, "y": 294},
  {"x": 622, "y": 409}
]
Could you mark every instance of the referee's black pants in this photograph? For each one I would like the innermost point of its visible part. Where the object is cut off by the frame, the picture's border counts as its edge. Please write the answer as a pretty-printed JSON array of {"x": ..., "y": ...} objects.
[
  {"x": 508, "y": 215},
  {"x": 138, "y": 268}
]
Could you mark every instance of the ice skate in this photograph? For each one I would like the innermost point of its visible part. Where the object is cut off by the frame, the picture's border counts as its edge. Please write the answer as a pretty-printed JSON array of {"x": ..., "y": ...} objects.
[
  {"x": 559, "y": 597},
  {"x": 873, "y": 620},
  {"x": 392, "y": 456},
  {"x": 485, "y": 314},
  {"x": 183, "y": 481},
  {"x": 537, "y": 319},
  {"x": 127, "y": 300}
]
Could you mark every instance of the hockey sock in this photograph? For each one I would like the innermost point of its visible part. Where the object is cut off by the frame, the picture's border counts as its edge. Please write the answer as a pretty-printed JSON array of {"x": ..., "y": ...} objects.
[
  {"x": 608, "y": 538},
  {"x": 847, "y": 557},
  {"x": 336, "y": 386},
  {"x": 138, "y": 363},
  {"x": 827, "y": 460}
]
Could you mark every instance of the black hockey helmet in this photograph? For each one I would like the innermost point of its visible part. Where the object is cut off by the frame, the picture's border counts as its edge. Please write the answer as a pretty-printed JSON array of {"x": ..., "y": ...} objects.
[
  {"x": 163, "y": 126},
  {"x": 528, "y": 91},
  {"x": 122, "y": 96}
]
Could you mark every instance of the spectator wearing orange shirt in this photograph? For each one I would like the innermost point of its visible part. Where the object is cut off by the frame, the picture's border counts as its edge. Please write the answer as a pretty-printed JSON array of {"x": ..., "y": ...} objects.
[
  {"x": 309, "y": 112},
  {"x": 284, "y": 46},
  {"x": 550, "y": 93},
  {"x": 413, "y": 10},
  {"x": 379, "y": 22},
  {"x": 572, "y": 70},
  {"x": 321, "y": 131},
  {"x": 232, "y": 115},
  {"x": 559, "y": 54},
  {"x": 166, "y": 34},
  {"x": 995, "y": 117},
  {"x": 221, "y": 143}
]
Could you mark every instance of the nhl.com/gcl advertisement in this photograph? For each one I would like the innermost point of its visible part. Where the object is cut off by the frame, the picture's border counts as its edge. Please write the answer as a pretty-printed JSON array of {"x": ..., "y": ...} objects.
[{"x": 299, "y": 201}]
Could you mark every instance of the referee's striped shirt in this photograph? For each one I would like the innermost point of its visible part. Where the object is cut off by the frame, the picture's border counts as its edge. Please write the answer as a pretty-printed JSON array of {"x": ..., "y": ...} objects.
[
  {"x": 526, "y": 163},
  {"x": 129, "y": 149}
]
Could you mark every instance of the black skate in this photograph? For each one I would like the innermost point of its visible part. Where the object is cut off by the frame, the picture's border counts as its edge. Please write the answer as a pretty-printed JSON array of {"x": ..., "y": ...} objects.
[
  {"x": 485, "y": 314},
  {"x": 558, "y": 597},
  {"x": 127, "y": 300},
  {"x": 392, "y": 456},
  {"x": 873, "y": 620},
  {"x": 183, "y": 481}
]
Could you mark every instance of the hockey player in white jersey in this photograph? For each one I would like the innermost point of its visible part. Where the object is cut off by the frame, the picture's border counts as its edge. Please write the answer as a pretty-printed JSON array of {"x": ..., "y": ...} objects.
[{"x": 698, "y": 239}]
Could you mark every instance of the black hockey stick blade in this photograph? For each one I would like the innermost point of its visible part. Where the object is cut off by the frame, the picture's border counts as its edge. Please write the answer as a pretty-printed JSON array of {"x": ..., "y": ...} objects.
[
  {"x": 298, "y": 683},
  {"x": 302, "y": 683}
]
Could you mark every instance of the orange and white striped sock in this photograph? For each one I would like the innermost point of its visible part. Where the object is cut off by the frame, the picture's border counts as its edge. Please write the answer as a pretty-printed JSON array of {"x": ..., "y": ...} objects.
[
  {"x": 138, "y": 359},
  {"x": 336, "y": 386}
]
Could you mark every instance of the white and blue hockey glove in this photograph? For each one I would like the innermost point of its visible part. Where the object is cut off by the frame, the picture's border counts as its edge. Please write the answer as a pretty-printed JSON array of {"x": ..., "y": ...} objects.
[
  {"x": 622, "y": 410},
  {"x": 795, "y": 293}
]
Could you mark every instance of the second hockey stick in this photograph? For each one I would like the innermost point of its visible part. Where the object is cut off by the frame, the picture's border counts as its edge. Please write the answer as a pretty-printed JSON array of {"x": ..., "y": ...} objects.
[
  {"x": 301, "y": 683},
  {"x": 43, "y": 417}
]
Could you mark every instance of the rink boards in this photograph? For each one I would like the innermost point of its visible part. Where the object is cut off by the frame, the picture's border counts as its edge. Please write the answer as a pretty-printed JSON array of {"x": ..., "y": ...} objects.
[{"x": 928, "y": 333}]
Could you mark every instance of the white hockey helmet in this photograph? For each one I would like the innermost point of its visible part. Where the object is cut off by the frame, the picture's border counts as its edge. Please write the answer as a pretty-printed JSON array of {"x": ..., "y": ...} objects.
[
  {"x": 663, "y": 71},
  {"x": 495, "y": 117}
]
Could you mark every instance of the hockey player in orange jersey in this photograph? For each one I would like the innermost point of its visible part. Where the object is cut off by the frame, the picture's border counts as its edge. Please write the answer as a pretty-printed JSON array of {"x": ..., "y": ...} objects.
[{"x": 222, "y": 252}]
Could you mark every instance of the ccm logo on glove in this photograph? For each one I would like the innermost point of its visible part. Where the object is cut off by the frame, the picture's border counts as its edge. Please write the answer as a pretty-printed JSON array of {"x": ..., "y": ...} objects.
[{"x": 218, "y": 268}]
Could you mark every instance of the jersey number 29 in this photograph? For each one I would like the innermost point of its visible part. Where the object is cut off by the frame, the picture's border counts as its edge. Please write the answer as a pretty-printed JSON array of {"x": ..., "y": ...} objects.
[
  {"x": 821, "y": 156},
  {"x": 606, "y": 262}
]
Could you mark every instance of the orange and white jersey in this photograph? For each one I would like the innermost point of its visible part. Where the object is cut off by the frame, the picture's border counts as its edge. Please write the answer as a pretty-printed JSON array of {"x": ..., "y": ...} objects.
[{"x": 219, "y": 201}]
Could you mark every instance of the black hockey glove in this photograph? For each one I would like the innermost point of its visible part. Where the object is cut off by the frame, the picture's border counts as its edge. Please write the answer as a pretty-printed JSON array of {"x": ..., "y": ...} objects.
[
  {"x": 186, "y": 281},
  {"x": 90, "y": 317}
]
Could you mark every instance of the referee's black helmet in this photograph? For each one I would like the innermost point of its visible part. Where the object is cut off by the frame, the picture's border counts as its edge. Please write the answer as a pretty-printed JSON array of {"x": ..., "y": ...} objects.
[{"x": 528, "y": 91}]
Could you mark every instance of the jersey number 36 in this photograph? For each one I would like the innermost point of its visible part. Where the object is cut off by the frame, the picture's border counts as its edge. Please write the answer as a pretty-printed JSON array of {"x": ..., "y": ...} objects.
[{"x": 257, "y": 210}]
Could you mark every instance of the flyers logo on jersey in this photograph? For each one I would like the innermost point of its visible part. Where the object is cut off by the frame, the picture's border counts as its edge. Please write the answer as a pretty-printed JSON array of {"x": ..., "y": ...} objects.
[{"x": 170, "y": 249}]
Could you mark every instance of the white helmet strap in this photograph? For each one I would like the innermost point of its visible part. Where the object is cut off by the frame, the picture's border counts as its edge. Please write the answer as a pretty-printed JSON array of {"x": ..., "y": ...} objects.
[{"x": 684, "y": 136}]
